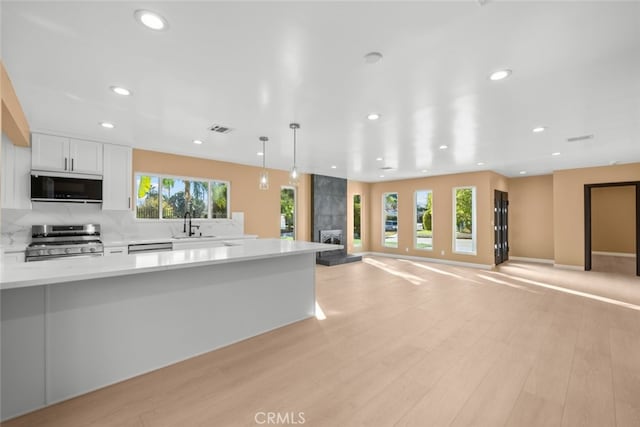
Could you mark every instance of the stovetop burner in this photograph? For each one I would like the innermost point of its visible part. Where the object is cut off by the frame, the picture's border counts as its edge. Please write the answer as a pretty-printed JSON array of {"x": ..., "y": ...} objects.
[{"x": 58, "y": 241}]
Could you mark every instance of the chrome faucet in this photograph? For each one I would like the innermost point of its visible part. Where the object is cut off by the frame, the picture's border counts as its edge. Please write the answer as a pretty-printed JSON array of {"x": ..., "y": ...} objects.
[{"x": 191, "y": 227}]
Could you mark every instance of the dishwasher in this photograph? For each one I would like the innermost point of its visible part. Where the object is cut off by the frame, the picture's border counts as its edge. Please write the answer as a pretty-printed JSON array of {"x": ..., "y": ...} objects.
[{"x": 138, "y": 248}]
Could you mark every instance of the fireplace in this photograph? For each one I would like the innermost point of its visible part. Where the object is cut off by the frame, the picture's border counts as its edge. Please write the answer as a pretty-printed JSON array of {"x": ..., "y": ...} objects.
[
  {"x": 332, "y": 237},
  {"x": 329, "y": 219}
]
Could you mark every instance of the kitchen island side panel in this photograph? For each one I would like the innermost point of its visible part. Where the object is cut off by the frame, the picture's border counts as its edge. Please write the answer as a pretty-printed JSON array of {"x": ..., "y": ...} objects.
[
  {"x": 105, "y": 330},
  {"x": 23, "y": 350}
]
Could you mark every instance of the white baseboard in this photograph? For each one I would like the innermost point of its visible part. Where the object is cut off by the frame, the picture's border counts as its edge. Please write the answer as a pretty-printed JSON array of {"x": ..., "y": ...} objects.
[
  {"x": 434, "y": 260},
  {"x": 569, "y": 267},
  {"x": 527, "y": 259},
  {"x": 620, "y": 254}
]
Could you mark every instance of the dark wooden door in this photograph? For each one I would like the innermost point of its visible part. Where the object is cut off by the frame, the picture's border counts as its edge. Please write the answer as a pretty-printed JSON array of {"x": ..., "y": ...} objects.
[{"x": 501, "y": 226}]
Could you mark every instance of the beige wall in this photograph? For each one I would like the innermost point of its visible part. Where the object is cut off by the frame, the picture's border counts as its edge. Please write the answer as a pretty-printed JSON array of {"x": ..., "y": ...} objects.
[
  {"x": 531, "y": 217},
  {"x": 363, "y": 189},
  {"x": 613, "y": 219},
  {"x": 568, "y": 206},
  {"x": 442, "y": 187},
  {"x": 14, "y": 123},
  {"x": 261, "y": 208},
  {"x": 531, "y": 201}
]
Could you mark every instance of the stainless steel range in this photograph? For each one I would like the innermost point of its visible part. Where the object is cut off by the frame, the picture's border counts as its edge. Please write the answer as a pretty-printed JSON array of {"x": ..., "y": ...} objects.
[{"x": 61, "y": 241}]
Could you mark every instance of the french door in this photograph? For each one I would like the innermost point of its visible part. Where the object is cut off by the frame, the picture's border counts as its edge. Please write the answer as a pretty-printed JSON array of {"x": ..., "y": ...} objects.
[{"x": 500, "y": 226}]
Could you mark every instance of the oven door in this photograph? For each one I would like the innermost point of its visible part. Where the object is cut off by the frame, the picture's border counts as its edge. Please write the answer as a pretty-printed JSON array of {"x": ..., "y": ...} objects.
[{"x": 55, "y": 188}]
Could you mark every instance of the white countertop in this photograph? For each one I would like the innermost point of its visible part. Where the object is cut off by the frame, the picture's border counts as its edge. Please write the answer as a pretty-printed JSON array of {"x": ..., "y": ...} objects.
[
  {"x": 20, "y": 247},
  {"x": 72, "y": 269},
  {"x": 111, "y": 243}
]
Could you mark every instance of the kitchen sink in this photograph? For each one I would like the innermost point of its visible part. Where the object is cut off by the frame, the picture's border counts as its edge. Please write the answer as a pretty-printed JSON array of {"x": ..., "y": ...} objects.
[{"x": 194, "y": 237}]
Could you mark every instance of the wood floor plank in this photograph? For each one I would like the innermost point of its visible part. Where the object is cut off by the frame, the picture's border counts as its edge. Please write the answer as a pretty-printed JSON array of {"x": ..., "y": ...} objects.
[
  {"x": 533, "y": 410},
  {"x": 408, "y": 343},
  {"x": 590, "y": 400}
]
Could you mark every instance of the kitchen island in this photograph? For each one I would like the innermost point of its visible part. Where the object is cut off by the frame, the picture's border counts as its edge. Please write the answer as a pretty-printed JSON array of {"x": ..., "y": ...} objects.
[{"x": 70, "y": 326}]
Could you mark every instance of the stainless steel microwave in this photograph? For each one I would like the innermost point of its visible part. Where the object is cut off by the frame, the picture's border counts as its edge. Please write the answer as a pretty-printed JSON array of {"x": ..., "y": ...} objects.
[{"x": 53, "y": 187}]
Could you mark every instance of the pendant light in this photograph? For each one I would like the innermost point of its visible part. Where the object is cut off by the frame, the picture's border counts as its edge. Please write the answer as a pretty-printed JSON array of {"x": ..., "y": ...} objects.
[
  {"x": 264, "y": 175},
  {"x": 294, "y": 176}
]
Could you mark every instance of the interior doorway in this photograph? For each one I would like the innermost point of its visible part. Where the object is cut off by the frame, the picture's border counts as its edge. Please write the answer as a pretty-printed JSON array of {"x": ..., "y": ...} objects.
[
  {"x": 612, "y": 227},
  {"x": 501, "y": 226}
]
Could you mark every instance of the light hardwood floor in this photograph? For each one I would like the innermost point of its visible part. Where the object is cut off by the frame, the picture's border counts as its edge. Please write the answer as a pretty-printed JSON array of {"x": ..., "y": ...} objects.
[{"x": 408, "y": 343}]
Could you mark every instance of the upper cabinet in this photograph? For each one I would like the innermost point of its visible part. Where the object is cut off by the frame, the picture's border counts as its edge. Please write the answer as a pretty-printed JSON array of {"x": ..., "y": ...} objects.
[
  {"x": 86, "y": 156},
  {"x": 116, "y": 180},
  {"x": 16, "y": 165},
  {"x": 61, "y": 154}
]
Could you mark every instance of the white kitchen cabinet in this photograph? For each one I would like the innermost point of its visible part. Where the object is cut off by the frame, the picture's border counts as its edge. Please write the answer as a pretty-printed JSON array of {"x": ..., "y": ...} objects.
[
  {"x": 13, "y": 257},
  {"x": 61, "y": 154},
  {"x": 49, "y": 152},
  {"x": 116, "y": 179},
  {"x": 86, "y": 156},
  {"x": 16, "y": 176}
]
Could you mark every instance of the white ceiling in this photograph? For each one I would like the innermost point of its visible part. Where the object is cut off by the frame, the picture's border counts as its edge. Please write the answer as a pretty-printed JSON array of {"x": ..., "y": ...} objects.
[{"x": 256, "y": 67}]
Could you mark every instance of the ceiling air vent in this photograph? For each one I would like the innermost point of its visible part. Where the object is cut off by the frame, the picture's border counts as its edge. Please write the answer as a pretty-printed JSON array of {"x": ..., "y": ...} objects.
[
  {"x": 220, "y": 129},
  {"x": 386, "y": 168},
  {"x": 580, "y": 138}
]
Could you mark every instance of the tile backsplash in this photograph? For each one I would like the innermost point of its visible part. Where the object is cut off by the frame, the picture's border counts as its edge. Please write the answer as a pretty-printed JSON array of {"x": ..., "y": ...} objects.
[{"x": 116, "y": 226}]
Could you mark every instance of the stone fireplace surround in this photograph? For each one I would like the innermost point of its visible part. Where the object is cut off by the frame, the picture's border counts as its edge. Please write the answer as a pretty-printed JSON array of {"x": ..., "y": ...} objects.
[{"x": 329, "y": 220}]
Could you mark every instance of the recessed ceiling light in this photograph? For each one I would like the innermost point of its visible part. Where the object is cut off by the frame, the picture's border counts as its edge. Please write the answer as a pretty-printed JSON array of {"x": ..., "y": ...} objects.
[
  {"x": 424, "y": 171},
  {"x": 444, "y": 147},
  {"x": 372, "y": 57},
  {"x": 373, "y": 116},
  {"x": 107, "y": 125},
  {"x": 500, "y": 75},
  {"x": 334, "y": 167},
  {"x": 557, "y": 153},
  {"x": 120, "y": 90},
  {"x": 151, "y": 20},
  {"x": 197, "y": 141},
  {"x": 538, "y": 129},
  {"x": 381, "y": 176},
  {"x": 523, "y": 172},
  {"x": 379, "y": 159},
  {"x": 260, "y": 153},
  {"x": 480, "y": 163}
]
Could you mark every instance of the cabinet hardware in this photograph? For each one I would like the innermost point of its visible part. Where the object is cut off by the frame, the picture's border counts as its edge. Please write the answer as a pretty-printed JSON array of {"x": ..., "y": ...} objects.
[
  {"x": 72, "y": 163},
  {"x": 65, "y": 163}
]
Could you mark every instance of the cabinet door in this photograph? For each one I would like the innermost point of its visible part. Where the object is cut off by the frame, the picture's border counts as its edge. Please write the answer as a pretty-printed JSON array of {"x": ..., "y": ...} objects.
[
  {"x": 116, "y": 179},
  {"x": 16, "y": 176},
  {"x": 85, "y": 156},
  {"x": 50, "y": 153}
]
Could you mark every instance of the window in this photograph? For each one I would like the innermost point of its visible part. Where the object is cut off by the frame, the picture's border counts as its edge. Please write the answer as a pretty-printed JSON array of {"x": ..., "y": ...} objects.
[
  {"x": 424, "y": 220},
  {"x": 180, "y": 195},
  {"x": 220, "y": 199},
  {"x": 357, "y": 238},
  {"x": 287, "y": 213},
  {"x": 464, "y": 220},
  {"x": 390, "y": 220},
  {"x": 147, "y": 206},
  {"x": 177, "y": 195}
]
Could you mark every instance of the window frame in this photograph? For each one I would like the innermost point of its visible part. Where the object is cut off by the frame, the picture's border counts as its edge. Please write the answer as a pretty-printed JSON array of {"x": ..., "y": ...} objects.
[
  {"x": 228, "y": 184},
  {"x": 353, "y": 206},
  {"x": 415, "y": 215},
  {"x": 295, "y": 209},
  {"x": 474, "y": 220},
  {"x": 160, "y": 176},
  {"x": 384, "y": 220}
]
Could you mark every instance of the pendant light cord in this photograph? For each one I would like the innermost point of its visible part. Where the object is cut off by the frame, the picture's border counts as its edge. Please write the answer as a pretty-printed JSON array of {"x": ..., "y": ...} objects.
[{"x": 294, "y": 147}]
